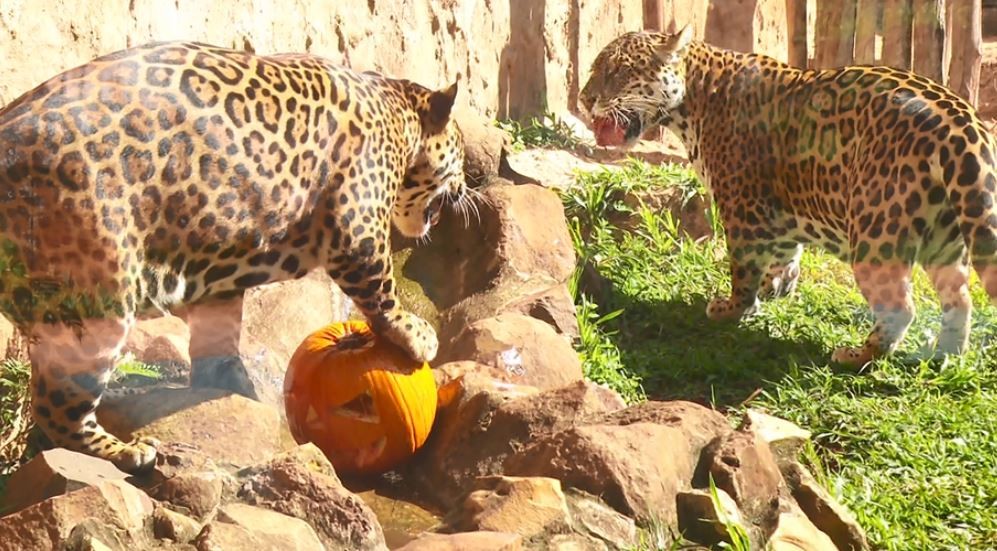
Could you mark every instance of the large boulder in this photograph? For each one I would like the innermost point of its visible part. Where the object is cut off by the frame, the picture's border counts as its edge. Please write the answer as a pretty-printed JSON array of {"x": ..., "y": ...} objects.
[
  {"x": 528, "y": 350},
  {"x": 229, "y": 428},
  {"x": 474, "y": 435},
  {"x": 637, "y": 459},
  {"x": 53, "y": 473},
  {"x": 302, "y": 484},
  {"x": 118, "y": 510}
]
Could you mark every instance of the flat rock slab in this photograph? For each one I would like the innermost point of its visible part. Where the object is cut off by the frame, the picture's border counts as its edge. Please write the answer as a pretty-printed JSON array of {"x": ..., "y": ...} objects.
[
  {"x": 55, "y": 472},
  {"x": 466, "y": 541},
  {"x": 230, "y": 429}
]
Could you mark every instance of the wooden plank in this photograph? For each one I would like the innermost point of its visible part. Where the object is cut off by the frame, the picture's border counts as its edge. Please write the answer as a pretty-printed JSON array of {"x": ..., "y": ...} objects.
[
  {"x": 898, "y": 27},
  {"x": 928, "y": 42},
  {"x": 865, "y": 31},
  {"x": 654, "y": 15},
  {"x": 834, "y": 39},
  {"x": 966, "y": 36},
  {"x": 796, "y": 23}
]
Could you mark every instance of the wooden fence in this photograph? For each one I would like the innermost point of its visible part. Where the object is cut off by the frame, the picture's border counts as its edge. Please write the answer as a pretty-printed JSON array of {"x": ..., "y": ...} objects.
[{"x": 940, "y": 39}]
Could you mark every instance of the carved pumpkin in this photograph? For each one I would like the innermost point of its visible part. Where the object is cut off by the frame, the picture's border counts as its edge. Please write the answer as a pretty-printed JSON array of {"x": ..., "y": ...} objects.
[{"x": 363, "y": 402}]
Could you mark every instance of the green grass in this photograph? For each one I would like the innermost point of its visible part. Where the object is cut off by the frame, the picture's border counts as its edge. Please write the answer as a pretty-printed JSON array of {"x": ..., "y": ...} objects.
[
  {"x": 910, "y": 447},
  {"x": 548, "y": 130}
]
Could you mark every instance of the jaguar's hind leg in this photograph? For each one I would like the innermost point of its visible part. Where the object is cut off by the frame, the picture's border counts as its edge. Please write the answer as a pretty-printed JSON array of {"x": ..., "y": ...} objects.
[
  {"x": 782, "y": 276},
  {"x": 70, "y": 368},
  {"x": 887, "y": 289},
  {"x": 215, "y": 331},
  {"x": 952, "y": 285}
]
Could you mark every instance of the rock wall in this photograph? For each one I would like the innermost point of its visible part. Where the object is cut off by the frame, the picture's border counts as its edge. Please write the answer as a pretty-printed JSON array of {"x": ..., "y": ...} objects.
[{"x": 514, "y": 57}]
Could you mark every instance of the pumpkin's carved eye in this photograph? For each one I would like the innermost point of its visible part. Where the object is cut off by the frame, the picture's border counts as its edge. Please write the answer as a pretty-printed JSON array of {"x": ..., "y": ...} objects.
[{"x": 361, "y": 408}]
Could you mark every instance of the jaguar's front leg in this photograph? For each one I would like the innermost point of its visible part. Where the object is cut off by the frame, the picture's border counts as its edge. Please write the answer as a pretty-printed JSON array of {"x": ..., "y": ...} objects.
[
  {"x": 749, "y": 263},
  {"x": 364, "y": 273}
]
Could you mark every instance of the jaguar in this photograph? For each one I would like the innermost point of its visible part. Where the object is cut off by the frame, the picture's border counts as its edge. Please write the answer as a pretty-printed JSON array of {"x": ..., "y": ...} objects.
[
  {"x": 883, "y": 168},
  {"x": 174, "y": 176}
]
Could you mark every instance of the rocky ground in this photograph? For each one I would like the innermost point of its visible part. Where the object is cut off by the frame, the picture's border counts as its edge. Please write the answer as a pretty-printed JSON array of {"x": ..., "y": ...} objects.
[{"x": 527, "y": 455}]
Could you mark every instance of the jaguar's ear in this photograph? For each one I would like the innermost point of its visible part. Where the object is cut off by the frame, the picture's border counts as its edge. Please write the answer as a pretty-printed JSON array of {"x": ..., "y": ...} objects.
[
  {"x": 440, "y": 105},
  {"x": 674, "y": 44}
]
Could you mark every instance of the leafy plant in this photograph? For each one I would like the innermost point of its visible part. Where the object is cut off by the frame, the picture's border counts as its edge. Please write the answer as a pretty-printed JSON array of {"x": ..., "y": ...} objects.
[{"x": 546, "y": 131}]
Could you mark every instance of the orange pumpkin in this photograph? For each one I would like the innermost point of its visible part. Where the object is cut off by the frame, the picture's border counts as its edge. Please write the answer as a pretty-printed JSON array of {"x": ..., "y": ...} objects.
[{"x": 363, "y": 402}]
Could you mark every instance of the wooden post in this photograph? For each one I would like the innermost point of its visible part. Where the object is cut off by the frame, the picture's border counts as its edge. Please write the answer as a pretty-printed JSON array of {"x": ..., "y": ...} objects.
[
  {"x": 865, "y": 31},
  {"x": 928, "y": 42},
  {"x": 898, "y": 18},
  {"x": 654, "y": 15},
  {"x": 834, "y": 43},
  {"x": 796, "y": 27},
  {"x": 966, "y": 36}
]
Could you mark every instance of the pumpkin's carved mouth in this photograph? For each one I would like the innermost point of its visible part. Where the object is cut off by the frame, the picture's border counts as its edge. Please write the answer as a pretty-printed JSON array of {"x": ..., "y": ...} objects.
[{"x": 361, "y": 408}]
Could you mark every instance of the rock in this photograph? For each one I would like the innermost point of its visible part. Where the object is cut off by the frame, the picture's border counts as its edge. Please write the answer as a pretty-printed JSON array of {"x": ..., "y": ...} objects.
[
  {"x": 230, "y": 429},
  {"x": 795, "y": 532},
  {"x": 824, "y": 511},
  {"x": 784, "y": 438},
  {"x": 55, "y": 472},
  {"x": 702, "y": 521},
  {"x": 519, "y": 237},
  {"x": 162, "y": 341},
  {"x": 574, "y": 542},
  {"x": 240, "y": 526},
  {"x": 466, "y": 541},
  {"x": 484, "y": 144},
  {"x": 275, "y": 319},
  {"x": 637, "y": 469},
  {"x": 636, "y": 459},
  {"x": 198, "y": 494},
  {"x": 536, "y": 298},
  {"x": 527, "y": 350},
  {"x": 742, "y": 465},
  {"x": 530, "y": 507},
  {"x": 167, "y": 524},
  {"x": 112, "y": 507},
  {"x": 473, "y": 437},
  {"x": 301, "y": 483},
  {"x": 596, "y": 521}
]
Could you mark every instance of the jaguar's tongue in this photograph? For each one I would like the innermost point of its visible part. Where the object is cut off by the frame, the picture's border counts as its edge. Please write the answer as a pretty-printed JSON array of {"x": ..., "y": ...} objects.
[{"x": 608, "y": 132}]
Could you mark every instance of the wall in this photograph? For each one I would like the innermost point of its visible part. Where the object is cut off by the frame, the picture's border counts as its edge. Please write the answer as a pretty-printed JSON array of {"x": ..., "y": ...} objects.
[{"x": 513, "y": 56}]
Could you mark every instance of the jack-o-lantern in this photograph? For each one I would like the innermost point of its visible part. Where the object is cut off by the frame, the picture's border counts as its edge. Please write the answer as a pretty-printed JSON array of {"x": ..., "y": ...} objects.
[{"x": 363, "y": 402}]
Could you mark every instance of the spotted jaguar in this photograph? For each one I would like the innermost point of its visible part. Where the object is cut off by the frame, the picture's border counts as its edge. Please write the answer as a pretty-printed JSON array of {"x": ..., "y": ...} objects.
[
  {"x": 174, "y": 176},
  {"x": 881, "y": 167}
]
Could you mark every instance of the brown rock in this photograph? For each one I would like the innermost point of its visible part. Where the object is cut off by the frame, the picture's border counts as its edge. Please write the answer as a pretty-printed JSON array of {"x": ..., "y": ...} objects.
[
  {"x": 636, "y": 459},
  {"x": 529, "y": 351},
  {"x": 218, "y": 423},
  {"x": 598, "y": 522},
  {"x": 536, "y": 298},
  {"x": 638, "y": 468},
  {"x": 483, "y": 144},
  {"x": 167, "y": 524},
  {"x": 784, "y": 438},
  {"x": 530, "y": 507},
  {"x": 473, "y": 437},
  {"x": 575, "y": 542},
  {"x": 240, "y": 526},
  {"x": 196, "y": 493},
  {"x": 519, "y": 237},
  {"x": 52, "y": 473},
  {"x": 824, "y": 511},
  {"x": 113, "y": 506},
  {"x": 742, "y": 465},
  {"x": 703, "y": 521},
  {"x": 795, "y": 532},
  {"x": 162, "y": 341},
  {"x": 275, "y": 319},
  {"x": 466, "y": 541},
  {"x": 301, "y": 483}
]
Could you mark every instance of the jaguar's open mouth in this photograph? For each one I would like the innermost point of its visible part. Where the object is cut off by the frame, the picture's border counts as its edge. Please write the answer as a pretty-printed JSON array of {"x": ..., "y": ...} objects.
[
  {"x": 433, "y": 210},
  {"x": 616, "y": 131}
]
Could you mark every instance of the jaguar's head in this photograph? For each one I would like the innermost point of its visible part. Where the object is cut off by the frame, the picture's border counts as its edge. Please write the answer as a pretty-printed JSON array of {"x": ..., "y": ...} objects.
[
  {"x": 636, "y": 81},
  {"x": 436, "y": 175}
]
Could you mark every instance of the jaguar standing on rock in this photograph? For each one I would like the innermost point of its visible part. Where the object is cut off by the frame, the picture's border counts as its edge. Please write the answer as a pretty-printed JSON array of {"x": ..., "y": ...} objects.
[
  {"x": 882, "y": 167},
  {"x": 181, "y": 174}
]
